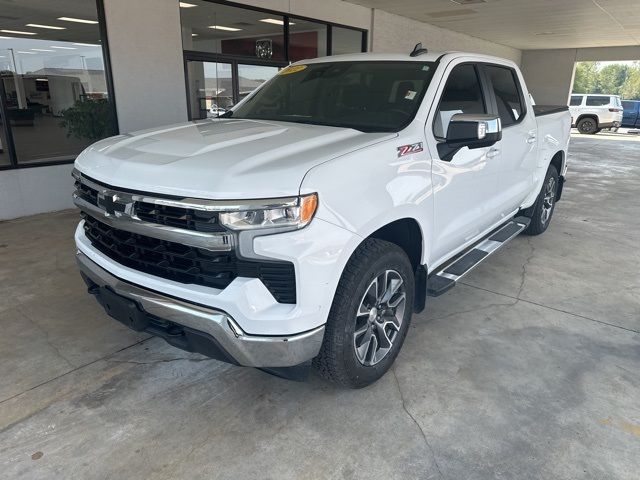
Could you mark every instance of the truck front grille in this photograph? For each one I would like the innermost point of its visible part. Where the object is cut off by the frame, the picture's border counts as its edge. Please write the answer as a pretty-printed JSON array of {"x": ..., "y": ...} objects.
[
  {"x": 178, "y": 217},
  {"x": 185, "y": 264}
]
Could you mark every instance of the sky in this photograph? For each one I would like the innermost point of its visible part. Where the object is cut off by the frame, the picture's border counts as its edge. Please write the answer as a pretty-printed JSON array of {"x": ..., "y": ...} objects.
[{"x": 604, "y": 64}]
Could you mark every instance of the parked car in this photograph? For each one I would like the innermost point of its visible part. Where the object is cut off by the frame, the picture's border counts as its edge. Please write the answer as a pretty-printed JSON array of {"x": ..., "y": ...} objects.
[
  {"x": 590, "y": 113},
  {"x": 216, "y": 111},
  {"x": 310, "y": 223},
  {"x": 631, "y": 114}
]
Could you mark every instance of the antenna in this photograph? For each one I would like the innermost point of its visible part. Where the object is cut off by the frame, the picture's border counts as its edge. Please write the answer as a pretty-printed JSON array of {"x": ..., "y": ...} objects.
[{"x": 418, "y": 50}]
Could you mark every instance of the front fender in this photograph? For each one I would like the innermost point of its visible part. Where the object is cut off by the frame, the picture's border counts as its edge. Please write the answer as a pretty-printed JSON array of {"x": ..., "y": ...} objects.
[{"x": 372, "y": 187}]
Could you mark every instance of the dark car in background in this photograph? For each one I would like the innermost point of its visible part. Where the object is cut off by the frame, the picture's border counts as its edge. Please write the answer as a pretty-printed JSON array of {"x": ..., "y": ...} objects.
[{"x": 631, "y": 113}]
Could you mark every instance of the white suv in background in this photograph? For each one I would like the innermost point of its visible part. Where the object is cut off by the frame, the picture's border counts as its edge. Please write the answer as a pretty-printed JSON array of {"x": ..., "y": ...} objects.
[{"x": 590, "y": 113}]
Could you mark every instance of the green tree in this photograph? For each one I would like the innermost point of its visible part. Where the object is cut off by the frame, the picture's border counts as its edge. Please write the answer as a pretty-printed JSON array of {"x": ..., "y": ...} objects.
[
  {"x": 616, "y": 79},
  {"x": 612, "y": 77},
  {"x": 586, "y": 78},
  {"x": 630, "y": 90}
]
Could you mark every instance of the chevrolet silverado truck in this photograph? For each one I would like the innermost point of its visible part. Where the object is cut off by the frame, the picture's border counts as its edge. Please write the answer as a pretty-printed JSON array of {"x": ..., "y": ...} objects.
[{"x": 307, "y": 224}]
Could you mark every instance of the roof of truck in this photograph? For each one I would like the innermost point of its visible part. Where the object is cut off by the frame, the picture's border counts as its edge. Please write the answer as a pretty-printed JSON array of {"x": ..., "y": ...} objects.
[{"x": 398, "y": 57}]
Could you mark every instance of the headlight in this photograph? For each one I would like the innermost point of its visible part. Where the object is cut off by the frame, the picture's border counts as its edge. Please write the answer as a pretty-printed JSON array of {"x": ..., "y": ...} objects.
[{"x": 287, "y": 216}]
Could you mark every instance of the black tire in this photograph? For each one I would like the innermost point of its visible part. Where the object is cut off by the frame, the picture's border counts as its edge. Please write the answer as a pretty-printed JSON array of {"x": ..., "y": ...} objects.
[
  {"x": 338, "y": 360},
  {"x": 539, "y": 219},
  {"x": 587, "y": 126}
]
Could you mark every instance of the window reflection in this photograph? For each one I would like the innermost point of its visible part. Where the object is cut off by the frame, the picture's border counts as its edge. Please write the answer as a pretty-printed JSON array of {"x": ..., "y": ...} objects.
[
  {"x": 210, "y": 89},
  {"x": 306, "y": 39},
  {"x": 215, "y": 28},
  {"x": 345, "y": 40},
  {"x": 54, "y": 82},
  {"x": 251, "y": 77}
]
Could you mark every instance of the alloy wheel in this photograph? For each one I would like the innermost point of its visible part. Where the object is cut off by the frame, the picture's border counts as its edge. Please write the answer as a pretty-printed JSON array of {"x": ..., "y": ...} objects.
[
  {"x": 548, "y": 200},
  {"x": 379, "y": 317}
]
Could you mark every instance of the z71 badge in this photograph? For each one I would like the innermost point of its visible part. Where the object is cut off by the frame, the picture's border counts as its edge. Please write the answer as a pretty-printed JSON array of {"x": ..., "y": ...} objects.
[{"x": 407, "y": 149}]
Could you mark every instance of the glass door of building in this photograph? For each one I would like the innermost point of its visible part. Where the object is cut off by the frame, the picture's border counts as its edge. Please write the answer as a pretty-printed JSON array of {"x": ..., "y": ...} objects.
[
  {"x": 215, "y": 86},
  {"x": 210, "y": 86},
  {"x": 251, "y": 77}
]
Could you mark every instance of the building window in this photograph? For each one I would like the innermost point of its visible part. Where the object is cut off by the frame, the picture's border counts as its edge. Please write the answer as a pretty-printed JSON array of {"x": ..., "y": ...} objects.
[
  {"x": 230, "y": 50},
  {"x": 307, "y": 39},
  {"x": 54, "y": 88},
  {"x": 251, "y": 77},
  {"x": 346, "y": 40},
  {"x": 226, "y": 30}
]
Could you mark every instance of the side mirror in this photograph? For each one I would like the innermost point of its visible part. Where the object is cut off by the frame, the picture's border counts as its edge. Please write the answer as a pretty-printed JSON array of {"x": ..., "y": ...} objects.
[{"x": 471, "y": 131}]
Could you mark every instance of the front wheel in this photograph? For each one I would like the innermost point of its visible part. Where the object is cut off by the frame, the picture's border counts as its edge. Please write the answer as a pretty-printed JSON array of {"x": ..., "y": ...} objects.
[
  {"x": 369, "y": 317},
  {"x": 542, "y": 210}
]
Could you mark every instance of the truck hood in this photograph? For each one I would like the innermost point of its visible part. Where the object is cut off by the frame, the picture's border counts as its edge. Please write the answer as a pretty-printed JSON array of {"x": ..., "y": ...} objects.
[{"x": 220, "y": 159}]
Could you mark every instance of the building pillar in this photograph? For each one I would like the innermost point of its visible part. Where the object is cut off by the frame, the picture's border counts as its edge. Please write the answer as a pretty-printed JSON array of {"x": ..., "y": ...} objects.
[
  {"x": 549, "y": 74},
  {"x": 146, "y": 62}
]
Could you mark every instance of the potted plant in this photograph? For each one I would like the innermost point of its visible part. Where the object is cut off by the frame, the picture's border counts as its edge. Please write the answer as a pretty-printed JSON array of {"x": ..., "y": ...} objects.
[{"x": 90, "y": 119}]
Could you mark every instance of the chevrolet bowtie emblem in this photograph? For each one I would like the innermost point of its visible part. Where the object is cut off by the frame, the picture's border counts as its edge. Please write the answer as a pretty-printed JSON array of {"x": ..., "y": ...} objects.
[{"x": 110, "y": 203}]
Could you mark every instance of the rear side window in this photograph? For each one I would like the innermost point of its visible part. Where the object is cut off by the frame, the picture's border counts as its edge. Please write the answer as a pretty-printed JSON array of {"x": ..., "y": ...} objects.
[
  {"x": 462, "y": 94},
  {"x": 593, "y": 101},
  {"x": 507, "y": 93},
  {"x": 627, "y": 105},
  {"x": 575, "y": 100}
]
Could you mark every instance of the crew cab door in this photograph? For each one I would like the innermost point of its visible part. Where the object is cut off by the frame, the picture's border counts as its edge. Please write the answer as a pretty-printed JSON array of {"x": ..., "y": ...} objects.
[
  {"x": 465, "y": 186},
  {"x": 518, "y": 147}
]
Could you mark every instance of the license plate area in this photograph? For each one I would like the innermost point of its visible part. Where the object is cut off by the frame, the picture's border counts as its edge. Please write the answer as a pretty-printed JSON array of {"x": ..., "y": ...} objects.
[{"x": 122, "y": 309}]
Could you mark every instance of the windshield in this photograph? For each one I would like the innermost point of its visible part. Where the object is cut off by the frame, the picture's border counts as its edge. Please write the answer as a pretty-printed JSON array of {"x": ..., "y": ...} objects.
[{"x": 366, "y": 96}]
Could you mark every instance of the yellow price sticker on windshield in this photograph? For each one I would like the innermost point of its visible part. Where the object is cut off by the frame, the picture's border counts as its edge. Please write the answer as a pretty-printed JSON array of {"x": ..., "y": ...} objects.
[{"x": 292, "y": 69}]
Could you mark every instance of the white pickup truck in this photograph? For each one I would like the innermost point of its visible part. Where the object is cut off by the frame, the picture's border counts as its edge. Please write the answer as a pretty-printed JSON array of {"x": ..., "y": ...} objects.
[{"x": 311, "y": 221}]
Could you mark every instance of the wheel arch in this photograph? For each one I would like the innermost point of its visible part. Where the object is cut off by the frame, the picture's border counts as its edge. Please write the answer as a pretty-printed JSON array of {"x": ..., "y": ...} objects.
[
  {"x": 588, "y": 115},
  {"x": 558, "y": 160},
  {"x": 407, "y": 234}
]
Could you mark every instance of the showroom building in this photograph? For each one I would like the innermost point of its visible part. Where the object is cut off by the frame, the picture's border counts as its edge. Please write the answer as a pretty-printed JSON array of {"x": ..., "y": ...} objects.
[{"x": 75, "y": 71}]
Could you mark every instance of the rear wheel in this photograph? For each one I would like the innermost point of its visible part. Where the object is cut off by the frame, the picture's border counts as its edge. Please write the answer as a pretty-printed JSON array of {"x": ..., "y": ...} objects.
[
  {"x": 588, "y": 125},
  {"x": 369, "y": 317},
  {"x": 543, "y": 209}
]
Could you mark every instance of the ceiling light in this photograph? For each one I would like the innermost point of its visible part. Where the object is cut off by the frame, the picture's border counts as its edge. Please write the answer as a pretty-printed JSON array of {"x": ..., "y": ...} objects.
[
  {"x": 275, "y": 21},
  {"x": 50, "y": 27},
  {"x": 42, "y": 79},
  {"x": 86, "y": 44},
  {"x": 451, "y": 13},
  {"x": 18, "y": 32},
  {"x": 187, "y": 5},
  {"x": 194, "y": 34},
  {"x": 63, "y": 48},
  {"x": 77, "y": 20},
  {"x": 28, "y": 53},
  {"x": 228, "y": 29},
  {"x": 41, "y": 50}
]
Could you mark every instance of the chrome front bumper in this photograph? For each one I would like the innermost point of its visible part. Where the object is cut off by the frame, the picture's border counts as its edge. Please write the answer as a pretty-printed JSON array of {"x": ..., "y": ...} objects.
[{"x": 247, "y": 350}]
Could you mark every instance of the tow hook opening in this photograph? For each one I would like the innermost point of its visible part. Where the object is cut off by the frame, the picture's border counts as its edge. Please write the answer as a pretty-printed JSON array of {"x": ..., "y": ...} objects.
[{"x": 237, "y": 331}]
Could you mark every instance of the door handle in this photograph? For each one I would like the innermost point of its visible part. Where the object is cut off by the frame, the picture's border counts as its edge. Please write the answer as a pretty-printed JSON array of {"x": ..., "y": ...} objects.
[{"x": 494, "y": 152}]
